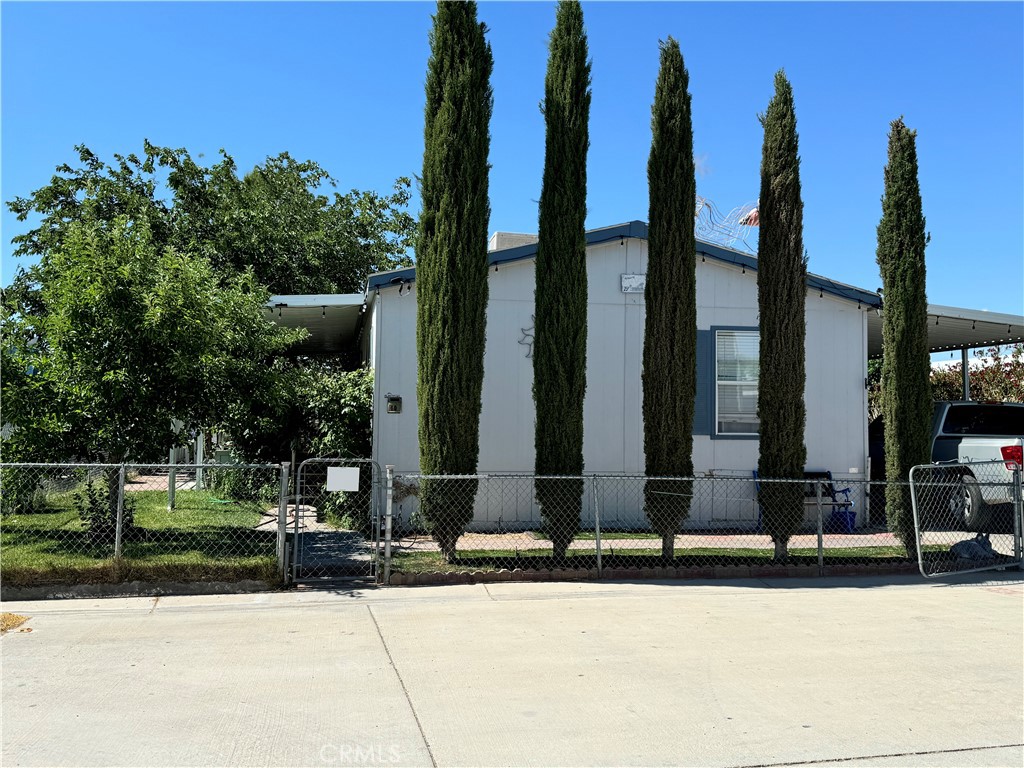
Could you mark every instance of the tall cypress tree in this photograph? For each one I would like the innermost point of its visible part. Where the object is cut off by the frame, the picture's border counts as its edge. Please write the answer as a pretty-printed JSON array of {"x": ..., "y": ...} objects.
[
  {"x": 451, "y": 265},
  {"x": 906, "y": 365},
  {"x": 781, "y": 289},
  {"x": 670, "y": 332},
  {"x": 560, "y": 331}
]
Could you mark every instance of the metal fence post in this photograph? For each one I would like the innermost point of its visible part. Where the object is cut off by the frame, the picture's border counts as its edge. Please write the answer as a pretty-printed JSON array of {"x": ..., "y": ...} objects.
[
  {"x": 389, "y": 490},
  {"x": 597, "y": 524},
  {"x": 172, "y": 478},
  {"x": 821, "y": 529},
  {"x": 1018, "y": 513},
  {"x": 119, "y": 525},
  {"x": 282, "y": 524},
  {"x": 200, "y": 445}
]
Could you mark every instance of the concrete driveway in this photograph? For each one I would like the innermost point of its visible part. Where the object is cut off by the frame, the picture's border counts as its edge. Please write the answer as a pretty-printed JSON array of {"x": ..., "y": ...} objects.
[{"x": 871, "y": 672}]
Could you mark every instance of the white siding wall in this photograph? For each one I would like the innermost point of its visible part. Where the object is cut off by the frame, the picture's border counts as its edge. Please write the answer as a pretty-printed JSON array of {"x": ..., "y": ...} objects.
[{"x": 613, "y": 433}]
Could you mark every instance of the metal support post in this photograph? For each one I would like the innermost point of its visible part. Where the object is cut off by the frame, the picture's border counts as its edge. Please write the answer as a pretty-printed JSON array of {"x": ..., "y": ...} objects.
[
  {"x": 966, "y": 374},
  {"x": 282, "y": 524},
  {"x": 200, "y": 446},
  {"x": 821, "y": 530},
  {"x": 597, "y": 524},
  {"x": 1018, "y": 518},
  {"x": 120, "y": 513},
  {"x": 172, "y": 478},
  {"x": 390, "y": 491}
]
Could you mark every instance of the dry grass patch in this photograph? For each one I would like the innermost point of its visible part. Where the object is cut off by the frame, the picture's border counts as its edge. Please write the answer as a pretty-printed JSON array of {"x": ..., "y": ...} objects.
[{"x": 9, "y": 621}]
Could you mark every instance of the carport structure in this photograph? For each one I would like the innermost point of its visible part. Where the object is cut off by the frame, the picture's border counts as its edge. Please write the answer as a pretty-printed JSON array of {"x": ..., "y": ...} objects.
[{"x": 957, "y": 328}]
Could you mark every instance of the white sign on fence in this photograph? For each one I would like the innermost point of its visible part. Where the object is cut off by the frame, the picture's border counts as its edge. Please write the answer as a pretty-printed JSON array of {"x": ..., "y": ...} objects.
[{"x": 343, "y": 478}]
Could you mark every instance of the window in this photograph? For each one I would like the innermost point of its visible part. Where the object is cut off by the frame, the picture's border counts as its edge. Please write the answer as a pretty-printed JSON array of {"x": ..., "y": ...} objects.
[{"x": 736, "y": 371}]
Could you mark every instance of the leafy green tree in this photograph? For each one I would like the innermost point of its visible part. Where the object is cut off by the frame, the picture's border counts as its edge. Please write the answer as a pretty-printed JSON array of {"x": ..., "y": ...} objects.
[
  {"x": 273, "y": 220},
  {"x": 781, "y": 289},
  {"x": 134, "y": 336},
  {"x": 670, "y": 331},
  {"x": 906, "y": 364},
  {"x": 999, "y": 377},
  {"x": 276, "y": 220},
  {"x": 451, "y": 268},
  {"x": 560, "y": 336}
]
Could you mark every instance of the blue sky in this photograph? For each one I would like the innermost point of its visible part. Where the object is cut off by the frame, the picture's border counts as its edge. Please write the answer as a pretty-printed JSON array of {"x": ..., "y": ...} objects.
[{"x": 342, "y": 84}]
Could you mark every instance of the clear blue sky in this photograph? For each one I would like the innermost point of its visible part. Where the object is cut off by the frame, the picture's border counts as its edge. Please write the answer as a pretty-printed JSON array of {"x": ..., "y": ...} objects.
[{"x": 342, "y": 84}]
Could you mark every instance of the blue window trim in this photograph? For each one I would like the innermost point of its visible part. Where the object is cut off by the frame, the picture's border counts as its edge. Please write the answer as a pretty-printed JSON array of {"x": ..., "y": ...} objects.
[{"x": 713, "y": 374}]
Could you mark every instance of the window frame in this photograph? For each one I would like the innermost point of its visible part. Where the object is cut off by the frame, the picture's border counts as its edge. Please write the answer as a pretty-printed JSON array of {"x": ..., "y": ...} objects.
[{"x": 715, "y": 433}]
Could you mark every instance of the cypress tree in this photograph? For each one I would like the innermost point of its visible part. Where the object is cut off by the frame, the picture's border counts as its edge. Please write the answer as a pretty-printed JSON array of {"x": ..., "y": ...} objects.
[
  {"x": 781, "y": 289},
  {"x": 560, "y": 335},
  {"x": 906, "y": 365},
  {"x": 451, "y": 265},
  {"x": 670, "y": 331}
]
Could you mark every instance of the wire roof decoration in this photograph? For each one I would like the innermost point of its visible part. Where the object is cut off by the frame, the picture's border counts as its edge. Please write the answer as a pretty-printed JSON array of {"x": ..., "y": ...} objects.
[{"x": 735, "y": 229}]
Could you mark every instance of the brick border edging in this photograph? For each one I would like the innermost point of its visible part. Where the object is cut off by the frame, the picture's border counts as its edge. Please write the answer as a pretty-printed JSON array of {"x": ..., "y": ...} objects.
[{"x": 716, "y": 572}]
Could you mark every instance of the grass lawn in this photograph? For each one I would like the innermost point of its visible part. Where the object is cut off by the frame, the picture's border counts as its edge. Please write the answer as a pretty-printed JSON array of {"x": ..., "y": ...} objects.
[
  {"x": 200, "y": 540},
  {"x": 417, "y": 561}
]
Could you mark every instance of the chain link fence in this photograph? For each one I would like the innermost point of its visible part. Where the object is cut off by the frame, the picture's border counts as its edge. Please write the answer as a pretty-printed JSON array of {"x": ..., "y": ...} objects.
[
  {"x": 594, "y": 525},
  {"x": 967, "y": 516},
  {"x": 335, "y": 523},
  {"x": 93, "y": 523},
  {"x": 104, "y": 523}
]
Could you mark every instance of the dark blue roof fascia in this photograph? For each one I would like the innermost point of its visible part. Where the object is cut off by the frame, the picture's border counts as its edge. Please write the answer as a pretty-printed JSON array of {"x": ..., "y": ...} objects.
[{"x": 638, "y": 229}]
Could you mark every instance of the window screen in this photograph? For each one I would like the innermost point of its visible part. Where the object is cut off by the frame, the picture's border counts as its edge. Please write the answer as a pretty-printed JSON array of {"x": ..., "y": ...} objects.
[{"x": 736, "y": 371}]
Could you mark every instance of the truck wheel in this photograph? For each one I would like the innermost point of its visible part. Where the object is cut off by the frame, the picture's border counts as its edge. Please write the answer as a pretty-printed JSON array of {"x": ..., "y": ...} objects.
[{"x": 972, "y": 506}]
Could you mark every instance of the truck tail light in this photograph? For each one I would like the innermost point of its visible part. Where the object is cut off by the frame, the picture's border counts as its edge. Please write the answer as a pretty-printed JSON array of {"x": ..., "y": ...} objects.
[{"x": 1013, "y": 455}]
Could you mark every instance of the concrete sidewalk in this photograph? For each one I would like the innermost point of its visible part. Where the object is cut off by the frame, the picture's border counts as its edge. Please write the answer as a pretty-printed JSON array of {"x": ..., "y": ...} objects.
[{"x": 893, "y": 672}]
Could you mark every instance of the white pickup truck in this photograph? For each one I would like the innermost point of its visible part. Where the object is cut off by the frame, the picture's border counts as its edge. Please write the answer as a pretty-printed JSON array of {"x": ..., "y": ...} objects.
[{"x": 969, "y": 432}]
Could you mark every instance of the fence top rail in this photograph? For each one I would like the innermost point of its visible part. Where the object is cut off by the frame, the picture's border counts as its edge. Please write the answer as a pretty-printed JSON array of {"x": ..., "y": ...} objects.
[{"x": 595, "y": 476}]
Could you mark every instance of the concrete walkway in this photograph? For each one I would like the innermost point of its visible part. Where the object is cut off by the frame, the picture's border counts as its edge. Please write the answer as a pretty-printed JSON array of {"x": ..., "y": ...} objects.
[{"x": 872, "y": 672}]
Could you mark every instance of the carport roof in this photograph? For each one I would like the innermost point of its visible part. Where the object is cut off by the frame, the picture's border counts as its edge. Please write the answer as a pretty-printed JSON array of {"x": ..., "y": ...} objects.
[
  {"x": 332, "y": 319},
  {"x": 952, "y": 328}
]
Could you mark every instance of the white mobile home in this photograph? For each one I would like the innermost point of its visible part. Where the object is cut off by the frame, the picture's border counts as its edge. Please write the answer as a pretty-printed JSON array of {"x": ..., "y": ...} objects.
[{"x": 725, "y": 428}]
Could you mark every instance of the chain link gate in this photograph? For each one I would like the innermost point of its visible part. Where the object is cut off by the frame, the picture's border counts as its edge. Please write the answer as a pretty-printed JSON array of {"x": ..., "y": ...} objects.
[
  {"x": 967, "y": 517},
  {"x": 336, "y": 522}
]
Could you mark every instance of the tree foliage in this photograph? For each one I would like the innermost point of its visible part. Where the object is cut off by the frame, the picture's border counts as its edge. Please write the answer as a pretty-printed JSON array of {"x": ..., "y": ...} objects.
[
  {"x": 451, "y": 268},
  {"x": 781, "y": 289},
  {"x": 319, "y": 408},
  {"x": 670, "y": 332},
  {"x": 560, "y": 336},
  {"x": 272, "y": 230},
  {"x": 273, "y": 220},
  {"x": 906, "y": 364},
  {"x": 134, "y": 336},
  {"x": 999, "y": 377}
]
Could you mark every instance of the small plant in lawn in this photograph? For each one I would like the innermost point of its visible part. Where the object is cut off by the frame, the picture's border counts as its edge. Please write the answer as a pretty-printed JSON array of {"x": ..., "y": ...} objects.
[{"x": 98, "y": 512}]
